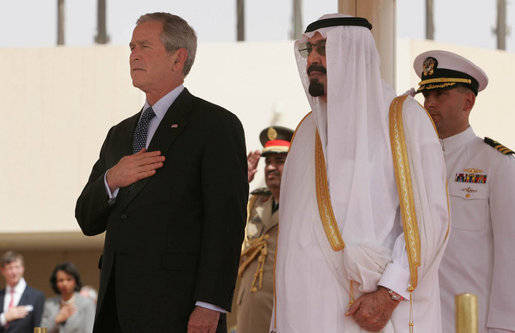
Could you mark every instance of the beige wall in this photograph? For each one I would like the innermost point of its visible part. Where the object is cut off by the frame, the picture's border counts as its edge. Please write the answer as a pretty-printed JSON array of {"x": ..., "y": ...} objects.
[{"x": 57, "y": 105}]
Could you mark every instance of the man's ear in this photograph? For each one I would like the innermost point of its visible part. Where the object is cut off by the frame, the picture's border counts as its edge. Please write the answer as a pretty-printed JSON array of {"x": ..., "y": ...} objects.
[
  {"x": 179, "y": 59},
  {"x": 470, "y": 100}
]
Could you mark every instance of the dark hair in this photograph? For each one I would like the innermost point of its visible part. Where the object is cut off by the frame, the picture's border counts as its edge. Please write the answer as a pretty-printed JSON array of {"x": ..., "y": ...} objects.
[
  {"x": 10, "y": 256},
  {"x": 68, "y": 268},
  {"x": 464, "y": 89}
]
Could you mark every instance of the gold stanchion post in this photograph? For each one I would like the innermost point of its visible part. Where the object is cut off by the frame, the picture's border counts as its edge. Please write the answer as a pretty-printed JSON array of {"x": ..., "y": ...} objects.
[
  {"x": 466, "y": 313},
  {"x": 40, "y": 330}
]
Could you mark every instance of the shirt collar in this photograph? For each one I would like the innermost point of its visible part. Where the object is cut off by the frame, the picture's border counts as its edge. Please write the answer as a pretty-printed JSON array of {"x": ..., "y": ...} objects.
[
  {"x": 20, "y": 287},
  {"x": 457, "y": 141},
  {"x": 163, "y": 104}
]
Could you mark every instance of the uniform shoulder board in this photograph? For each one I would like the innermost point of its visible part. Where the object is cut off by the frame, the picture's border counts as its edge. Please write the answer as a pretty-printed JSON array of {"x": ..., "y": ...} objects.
[
  {"x": 498, "y": 146},
  {"x": 261, "y": 191}
]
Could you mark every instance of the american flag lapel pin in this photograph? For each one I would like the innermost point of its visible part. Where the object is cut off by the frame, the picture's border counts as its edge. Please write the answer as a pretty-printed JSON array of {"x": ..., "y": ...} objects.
[{"x": 174, "y": 126}]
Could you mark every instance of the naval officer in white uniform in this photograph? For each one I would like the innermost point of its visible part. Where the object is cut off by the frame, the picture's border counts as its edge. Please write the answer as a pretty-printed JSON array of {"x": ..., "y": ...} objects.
[{"x": 479, "y": 257}]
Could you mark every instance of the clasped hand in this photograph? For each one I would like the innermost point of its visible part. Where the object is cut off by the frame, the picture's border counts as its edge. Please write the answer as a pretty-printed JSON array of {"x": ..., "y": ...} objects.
[{"x": 372, "y": 311}]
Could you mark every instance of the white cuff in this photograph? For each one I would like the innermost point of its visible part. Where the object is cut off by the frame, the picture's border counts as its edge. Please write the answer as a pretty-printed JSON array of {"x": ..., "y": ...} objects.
[
  {"x": 210, "y": 306},
  {"x": 2, "y": 319},
  {"x": 112, "y": 196},
  {"x": 396, "y": 278}
]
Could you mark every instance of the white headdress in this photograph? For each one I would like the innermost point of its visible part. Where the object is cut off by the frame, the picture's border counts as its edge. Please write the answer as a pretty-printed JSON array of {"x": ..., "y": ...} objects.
[{"x": 353, "y": 127}]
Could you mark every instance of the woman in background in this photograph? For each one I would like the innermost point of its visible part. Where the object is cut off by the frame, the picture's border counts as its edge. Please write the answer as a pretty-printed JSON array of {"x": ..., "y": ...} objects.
[{"x": 69, "y": 312}]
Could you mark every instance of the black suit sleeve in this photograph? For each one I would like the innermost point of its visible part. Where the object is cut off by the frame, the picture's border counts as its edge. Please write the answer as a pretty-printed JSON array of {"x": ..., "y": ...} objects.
[
  {"x": 225, "y": 194},
  {"x": 92, "y": 208},
  {"x": 39, "y": 304}
]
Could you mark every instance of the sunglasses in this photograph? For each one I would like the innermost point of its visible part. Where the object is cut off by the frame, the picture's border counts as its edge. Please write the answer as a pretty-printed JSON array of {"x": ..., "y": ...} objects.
[{"x": 306, "y": 48}]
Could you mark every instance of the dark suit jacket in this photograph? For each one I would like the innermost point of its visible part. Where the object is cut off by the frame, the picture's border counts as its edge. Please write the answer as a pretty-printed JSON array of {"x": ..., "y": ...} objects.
[
  {"x": 174, "y": 238},
  {"x": 32, "y": 297}
]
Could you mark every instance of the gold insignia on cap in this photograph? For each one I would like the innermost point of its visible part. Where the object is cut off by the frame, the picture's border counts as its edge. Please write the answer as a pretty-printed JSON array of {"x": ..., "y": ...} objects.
[
  {"x": 272, "y": 133},
  {"x": 472, "y": 170},
  {"x": 429, "y": 66}
]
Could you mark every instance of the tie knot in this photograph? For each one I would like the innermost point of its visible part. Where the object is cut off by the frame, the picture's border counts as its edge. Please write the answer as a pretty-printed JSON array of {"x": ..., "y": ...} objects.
[{"x": 147, "y": 114}]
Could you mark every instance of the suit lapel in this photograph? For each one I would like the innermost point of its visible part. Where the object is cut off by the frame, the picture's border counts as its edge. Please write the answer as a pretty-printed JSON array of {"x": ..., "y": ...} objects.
[
  {"x": 263, "y": 211},
  {"x": 2, "y": 296},
  {"x": 124, "y": 148},
  {"x": 127, "y": 134},
  {"x": 173, "y": 123},
  {"x": 274, "y": 220},
  {"x": 24, "y": 297}
]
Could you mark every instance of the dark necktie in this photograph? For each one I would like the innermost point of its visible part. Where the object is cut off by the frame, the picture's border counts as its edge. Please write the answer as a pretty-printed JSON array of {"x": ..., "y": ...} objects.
[{"x": 140, "y": 134}]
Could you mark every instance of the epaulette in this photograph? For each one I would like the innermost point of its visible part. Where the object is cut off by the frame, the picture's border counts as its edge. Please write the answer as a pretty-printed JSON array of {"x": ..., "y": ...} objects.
[
  {"x": 261, "y": 191},
  {"x": 498, "y": 146}
]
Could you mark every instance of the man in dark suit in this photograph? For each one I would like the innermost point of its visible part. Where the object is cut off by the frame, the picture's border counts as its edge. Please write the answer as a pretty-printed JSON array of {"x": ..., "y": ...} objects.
[
  {"x": 21, "y": 306},
  {"x": 175, "y": 209}
]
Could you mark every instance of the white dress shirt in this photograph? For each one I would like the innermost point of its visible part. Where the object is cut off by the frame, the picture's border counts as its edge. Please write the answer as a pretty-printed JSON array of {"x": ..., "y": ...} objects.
[{"x": 18, "y": 291}]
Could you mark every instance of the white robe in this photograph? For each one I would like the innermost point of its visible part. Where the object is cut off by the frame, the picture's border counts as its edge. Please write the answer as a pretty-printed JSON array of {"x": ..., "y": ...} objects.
[{"x": 312, "y": 294}]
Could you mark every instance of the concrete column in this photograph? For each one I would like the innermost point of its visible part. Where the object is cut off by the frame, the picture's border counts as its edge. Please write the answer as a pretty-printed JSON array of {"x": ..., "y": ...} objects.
[
  {"x": 240, "y": 20},
  {"x": 381, "y": 13},
  {"x": 430, "y": 28},
  {"x": 501, "y": 30},
  {"x": 101, "y": 37},
  {"x": 297, "y": 28},
  {"x": 60, "y": 22}
]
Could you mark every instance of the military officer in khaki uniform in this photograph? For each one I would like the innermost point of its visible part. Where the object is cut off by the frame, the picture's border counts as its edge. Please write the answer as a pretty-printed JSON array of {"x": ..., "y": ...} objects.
[
  {"x": 479, "y": 257},
  {"x": 254, "y": 297}
]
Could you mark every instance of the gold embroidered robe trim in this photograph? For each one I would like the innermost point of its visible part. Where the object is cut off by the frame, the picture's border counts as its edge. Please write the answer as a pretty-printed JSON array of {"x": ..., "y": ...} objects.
[
  {"x": 325, "y": 208},
  {"x": 405, "y": 188}
]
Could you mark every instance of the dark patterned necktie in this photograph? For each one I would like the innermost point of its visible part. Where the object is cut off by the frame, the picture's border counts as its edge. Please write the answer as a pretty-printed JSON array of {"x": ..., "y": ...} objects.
[{"x": 140, "y": 134}]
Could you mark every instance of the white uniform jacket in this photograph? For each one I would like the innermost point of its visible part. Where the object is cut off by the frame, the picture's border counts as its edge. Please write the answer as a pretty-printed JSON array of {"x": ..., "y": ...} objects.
[{"x": 480, "y": 254}]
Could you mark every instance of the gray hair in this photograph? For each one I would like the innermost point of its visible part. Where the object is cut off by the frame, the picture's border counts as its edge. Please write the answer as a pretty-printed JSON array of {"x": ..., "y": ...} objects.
[{"x": 176, "y": 34}]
